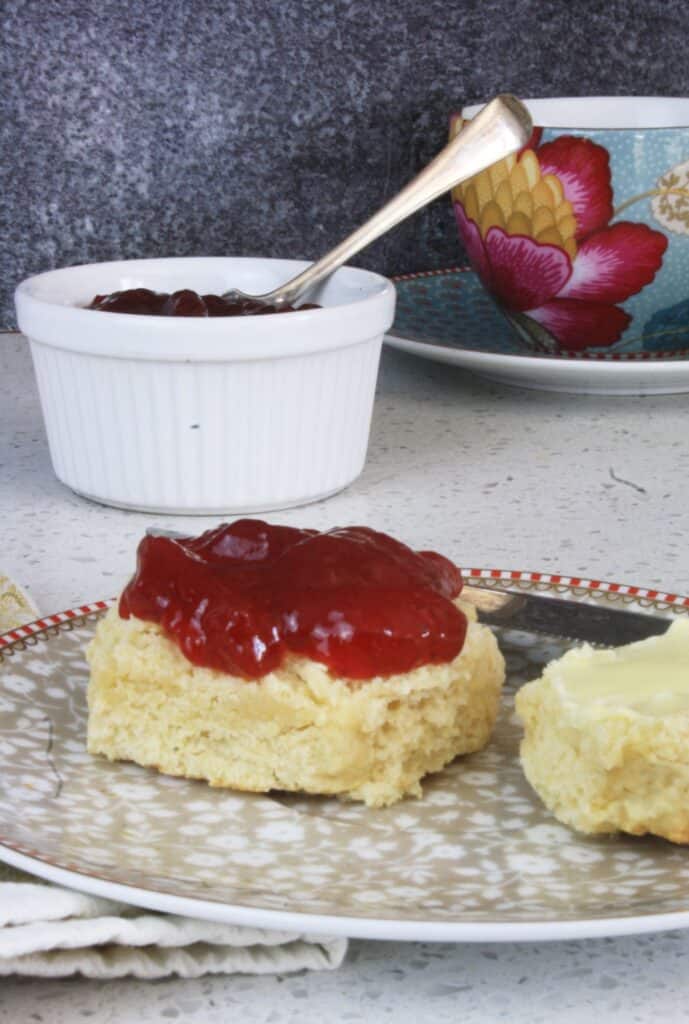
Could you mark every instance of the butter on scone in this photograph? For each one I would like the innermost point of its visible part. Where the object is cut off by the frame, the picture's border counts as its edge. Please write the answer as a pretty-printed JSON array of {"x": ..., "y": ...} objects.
[
  {"x": 265, "y": 658},
  {"x": 606, "y": 736}
]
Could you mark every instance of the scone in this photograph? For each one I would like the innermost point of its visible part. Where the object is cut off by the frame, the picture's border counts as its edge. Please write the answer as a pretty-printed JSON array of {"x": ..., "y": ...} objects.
[
  {"x": 264, "y": 658},
  {"x": 606, "y": 736}
]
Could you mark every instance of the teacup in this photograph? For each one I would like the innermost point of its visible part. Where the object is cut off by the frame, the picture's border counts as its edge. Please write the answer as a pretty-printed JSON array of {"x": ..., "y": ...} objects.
[{"x": 582, "y": 238}]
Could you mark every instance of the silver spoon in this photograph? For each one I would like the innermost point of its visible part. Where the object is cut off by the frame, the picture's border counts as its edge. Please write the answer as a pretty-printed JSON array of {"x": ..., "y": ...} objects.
[{"x": 501, "y": 128}]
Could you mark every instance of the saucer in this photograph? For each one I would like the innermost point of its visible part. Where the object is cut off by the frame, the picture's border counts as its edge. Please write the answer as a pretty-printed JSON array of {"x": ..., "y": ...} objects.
[{"x": 446, "y": 316}]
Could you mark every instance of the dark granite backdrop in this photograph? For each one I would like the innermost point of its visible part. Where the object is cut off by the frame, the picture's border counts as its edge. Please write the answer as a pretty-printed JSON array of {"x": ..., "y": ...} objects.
[{"x": 145, "y": 128}]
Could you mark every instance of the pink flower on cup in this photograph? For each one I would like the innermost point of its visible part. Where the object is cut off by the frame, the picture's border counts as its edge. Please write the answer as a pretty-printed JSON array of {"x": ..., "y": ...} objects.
[{"x": 537, "y": 230}]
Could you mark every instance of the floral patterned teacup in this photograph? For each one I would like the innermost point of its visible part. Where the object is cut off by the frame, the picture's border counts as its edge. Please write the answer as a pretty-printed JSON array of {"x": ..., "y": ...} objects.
[{"x": 582, "y": 238}]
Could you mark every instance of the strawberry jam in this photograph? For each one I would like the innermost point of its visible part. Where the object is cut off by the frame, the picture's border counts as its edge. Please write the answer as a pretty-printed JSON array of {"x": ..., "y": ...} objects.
[
  {"x": 184, "y": 303},
  {"x": 242, "y": 597}
]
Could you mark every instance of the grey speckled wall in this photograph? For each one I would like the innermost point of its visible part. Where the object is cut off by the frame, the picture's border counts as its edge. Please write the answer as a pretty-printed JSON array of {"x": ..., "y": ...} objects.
[{"x": 145, "y": 128}]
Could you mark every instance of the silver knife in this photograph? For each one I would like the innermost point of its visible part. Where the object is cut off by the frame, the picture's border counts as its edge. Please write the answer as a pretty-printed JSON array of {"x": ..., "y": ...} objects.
[{"x": 552, "y": 616}]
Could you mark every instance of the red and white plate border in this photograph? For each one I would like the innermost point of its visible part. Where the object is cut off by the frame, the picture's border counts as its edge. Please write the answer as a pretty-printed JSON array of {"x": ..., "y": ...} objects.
[
  {"x": 578, "y": 585},
  {"x": 49, "y": 622}
]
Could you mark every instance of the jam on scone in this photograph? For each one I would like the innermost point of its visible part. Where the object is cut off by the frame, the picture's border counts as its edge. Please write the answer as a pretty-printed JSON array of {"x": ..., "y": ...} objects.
[{"x": 264, "y": 657}]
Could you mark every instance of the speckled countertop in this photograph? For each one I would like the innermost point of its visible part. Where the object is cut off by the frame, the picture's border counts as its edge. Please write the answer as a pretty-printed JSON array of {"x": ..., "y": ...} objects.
[{"x": 492, "y": 476}]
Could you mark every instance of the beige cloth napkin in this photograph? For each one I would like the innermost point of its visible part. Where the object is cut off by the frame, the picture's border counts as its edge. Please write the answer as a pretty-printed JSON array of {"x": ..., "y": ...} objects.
[{"x": 49, "y": 931}]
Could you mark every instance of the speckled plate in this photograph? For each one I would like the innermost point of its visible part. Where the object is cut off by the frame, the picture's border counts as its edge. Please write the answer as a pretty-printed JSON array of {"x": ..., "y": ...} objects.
[
  {"x": 446, "y": 316},
  {"x": 478, "y": 858}
]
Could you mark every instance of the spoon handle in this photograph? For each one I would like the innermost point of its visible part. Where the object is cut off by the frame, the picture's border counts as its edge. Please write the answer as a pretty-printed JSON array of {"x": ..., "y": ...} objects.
[{"x": 501, "y": 128}]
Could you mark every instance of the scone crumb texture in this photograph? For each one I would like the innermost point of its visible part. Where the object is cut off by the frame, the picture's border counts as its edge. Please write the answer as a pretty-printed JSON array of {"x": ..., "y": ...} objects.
[
  {"x": 606, "y": 736},
  {"x": 297, "y": 728}
]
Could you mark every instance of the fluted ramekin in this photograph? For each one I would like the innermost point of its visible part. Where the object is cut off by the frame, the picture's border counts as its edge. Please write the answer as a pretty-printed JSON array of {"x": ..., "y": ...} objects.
[{"x": 205, "y": 415}]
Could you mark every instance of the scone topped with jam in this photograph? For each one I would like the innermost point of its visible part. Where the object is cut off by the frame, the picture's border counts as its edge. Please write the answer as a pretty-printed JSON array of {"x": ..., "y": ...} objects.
[
  {"x": 606, "y": 736},
  {"x": 264, "y": 657}
]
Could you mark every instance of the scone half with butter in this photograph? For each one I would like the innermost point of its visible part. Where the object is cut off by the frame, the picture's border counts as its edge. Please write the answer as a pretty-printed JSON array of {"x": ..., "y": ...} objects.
[
  {"x": 267, "y": 658},
  {"x": 606, "y": 736}
]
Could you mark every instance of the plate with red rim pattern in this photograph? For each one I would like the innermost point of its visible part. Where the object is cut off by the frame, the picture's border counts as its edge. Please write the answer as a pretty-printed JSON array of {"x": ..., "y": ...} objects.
[
  {"x": 447, "y": 316},
  {"x": 478, "y": 858}
]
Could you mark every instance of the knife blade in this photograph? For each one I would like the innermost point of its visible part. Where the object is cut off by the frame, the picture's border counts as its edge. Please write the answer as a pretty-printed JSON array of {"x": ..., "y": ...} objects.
[{"x": 557, "y": 617}]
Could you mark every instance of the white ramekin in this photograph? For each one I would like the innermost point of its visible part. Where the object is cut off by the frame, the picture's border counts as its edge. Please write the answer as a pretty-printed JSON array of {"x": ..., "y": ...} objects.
[{"x": 205, "y": 415}]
